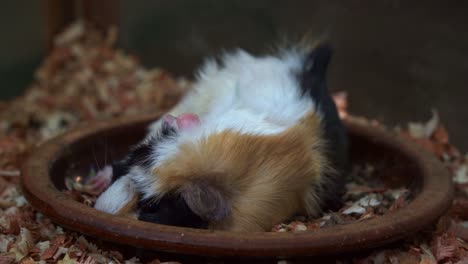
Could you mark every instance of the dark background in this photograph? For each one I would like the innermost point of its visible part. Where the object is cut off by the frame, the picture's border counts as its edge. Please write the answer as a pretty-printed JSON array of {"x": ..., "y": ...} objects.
[{"x": 397, "y": 59}]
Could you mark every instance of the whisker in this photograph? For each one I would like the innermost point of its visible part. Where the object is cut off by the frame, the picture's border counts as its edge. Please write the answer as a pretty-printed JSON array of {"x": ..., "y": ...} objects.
[
  {"x": 105, "y": 151},
  {"x": 95, "y": 159}
]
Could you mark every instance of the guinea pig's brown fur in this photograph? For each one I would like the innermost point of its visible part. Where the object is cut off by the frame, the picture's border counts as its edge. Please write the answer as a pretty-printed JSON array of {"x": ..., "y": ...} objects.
[
  {"x": 262, "y": 180},
  {"x": 256, "y": 141}
]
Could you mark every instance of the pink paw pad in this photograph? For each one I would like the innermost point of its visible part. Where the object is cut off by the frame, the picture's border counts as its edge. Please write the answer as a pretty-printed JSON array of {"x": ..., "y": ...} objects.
[{"x": 183, "y": 122}]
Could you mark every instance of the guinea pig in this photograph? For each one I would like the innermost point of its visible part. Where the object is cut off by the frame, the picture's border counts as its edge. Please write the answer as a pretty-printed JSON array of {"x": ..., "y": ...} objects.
[{"x": 254, "y": 142}]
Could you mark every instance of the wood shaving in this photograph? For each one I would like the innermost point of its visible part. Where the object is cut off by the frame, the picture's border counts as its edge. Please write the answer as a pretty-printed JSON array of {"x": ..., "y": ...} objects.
[{"x": 84, "y": 78}]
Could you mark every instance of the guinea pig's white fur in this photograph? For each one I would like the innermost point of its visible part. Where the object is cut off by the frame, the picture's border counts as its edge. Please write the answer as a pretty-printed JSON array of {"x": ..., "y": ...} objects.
[
  {"x": 261, "y": 94},
  {"x": 258, "y": 146},
  {"x": 120, "y": 193},
  {"x": 250, "y": 95}
]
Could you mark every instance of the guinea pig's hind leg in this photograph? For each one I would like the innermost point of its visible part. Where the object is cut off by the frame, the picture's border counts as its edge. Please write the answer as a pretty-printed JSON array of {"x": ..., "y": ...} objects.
[
  {"x": 120, "y": 198},
  {"x": 312, "y": 202},
  {"x": 324, "y": 196}
]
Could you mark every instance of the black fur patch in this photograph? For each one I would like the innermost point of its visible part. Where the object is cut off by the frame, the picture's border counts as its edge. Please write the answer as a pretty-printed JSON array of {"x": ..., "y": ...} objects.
[
  {"x": 119, "y": 169},
  {"x": 140, "y": 154},
  {"x": 169, "y": 210},
  {"x": 314, "y": 84},
  {"x": 313, "y": 75}
]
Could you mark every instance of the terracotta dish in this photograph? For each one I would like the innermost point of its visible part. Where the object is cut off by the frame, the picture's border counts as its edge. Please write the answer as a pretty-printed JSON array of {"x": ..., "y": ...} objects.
[{"x": 401, "y": 163}]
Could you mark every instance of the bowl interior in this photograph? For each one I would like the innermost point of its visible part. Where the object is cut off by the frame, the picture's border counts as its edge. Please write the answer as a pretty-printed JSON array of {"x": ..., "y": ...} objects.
[{"x": 96, "y": 150}]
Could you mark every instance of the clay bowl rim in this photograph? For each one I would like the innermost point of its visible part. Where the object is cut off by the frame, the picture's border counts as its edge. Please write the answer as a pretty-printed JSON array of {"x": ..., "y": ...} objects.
[{"x": 433, "y": 200}]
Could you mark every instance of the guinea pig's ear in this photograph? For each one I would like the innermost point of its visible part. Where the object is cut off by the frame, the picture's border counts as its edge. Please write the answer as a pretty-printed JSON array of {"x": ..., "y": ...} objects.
[{"x": 206, "y": 200}]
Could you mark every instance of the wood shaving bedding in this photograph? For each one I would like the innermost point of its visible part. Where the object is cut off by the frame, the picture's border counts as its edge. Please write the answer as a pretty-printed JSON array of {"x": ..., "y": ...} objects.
[{"x": 84, "y": 78}]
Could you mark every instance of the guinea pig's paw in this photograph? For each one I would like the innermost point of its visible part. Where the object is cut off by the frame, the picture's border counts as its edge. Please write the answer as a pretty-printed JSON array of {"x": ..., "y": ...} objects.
[
  {"x": 102, "y": 180},
  {"x": 117, "y": 196},
  {"x": 185, "y": 121}
]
